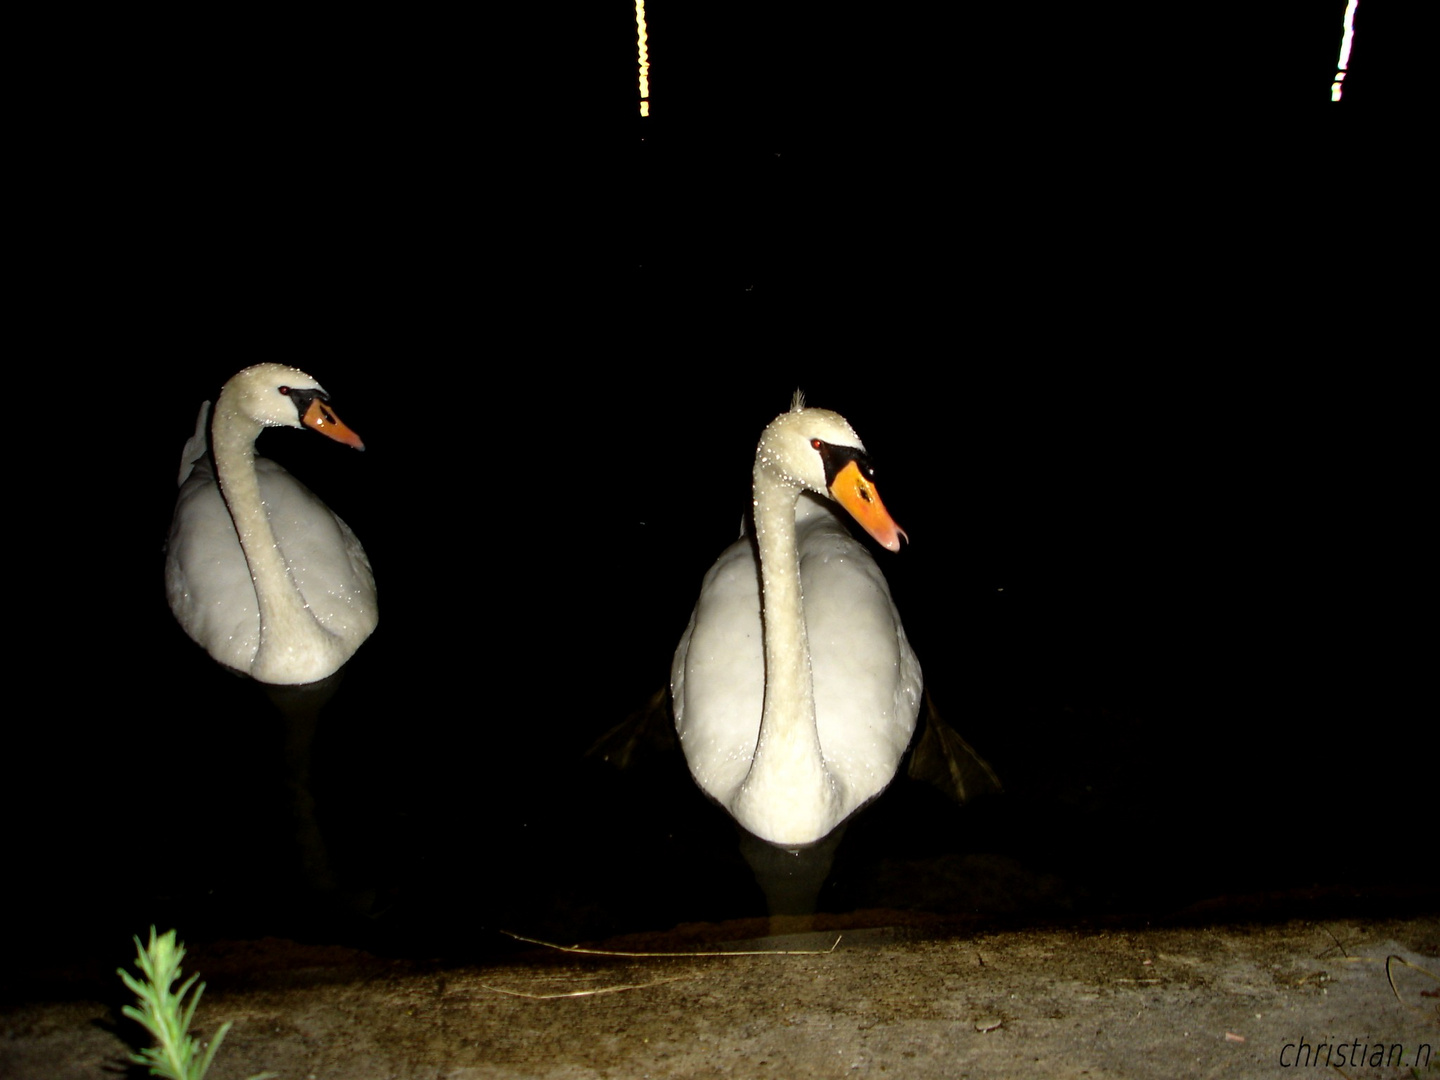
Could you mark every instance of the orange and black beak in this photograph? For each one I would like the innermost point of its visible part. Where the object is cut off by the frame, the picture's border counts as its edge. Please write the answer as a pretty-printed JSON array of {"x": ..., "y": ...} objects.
[
  {"x": 319, "y": 416},
  {"x": 851, "y": 480}
]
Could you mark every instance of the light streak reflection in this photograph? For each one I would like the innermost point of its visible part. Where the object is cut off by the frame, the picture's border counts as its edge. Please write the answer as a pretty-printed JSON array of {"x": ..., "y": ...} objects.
[
  {"x": 642, "y": 38},
  {"x": 1338, "y": 85}
]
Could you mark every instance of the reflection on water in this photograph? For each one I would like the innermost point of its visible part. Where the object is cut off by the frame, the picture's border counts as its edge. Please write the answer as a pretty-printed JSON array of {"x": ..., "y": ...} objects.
[
  {"x": 1188, "y": 553},
  {"x": 1152, "y": 705},
  {"x": 418, "y": 821},
  {"x": 409, "y": 823},
  {"x": 325, "y": 814}
]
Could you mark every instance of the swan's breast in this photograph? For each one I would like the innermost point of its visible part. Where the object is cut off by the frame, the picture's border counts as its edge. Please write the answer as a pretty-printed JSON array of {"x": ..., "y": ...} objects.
[
  {"x": 207, "y": 579},
  {"x": 867, "y": 681},
  {"x": 326, "y": 561}
]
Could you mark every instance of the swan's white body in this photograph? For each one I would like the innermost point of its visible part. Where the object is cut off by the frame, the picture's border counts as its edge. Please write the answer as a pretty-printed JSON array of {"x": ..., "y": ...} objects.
[
  {"x": 259, "y": 571},
  {"x": 794, "y": 689}
]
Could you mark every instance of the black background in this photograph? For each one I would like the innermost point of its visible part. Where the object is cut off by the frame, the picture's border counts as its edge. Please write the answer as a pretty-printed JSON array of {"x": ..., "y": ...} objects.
[{"x": 1127, "y": 337}]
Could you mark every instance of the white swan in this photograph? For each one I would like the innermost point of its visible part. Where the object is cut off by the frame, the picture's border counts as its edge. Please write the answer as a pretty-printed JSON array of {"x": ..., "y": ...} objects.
[
  {"x": 258, "y": 571},
  {"x": 794, "y": 689}
]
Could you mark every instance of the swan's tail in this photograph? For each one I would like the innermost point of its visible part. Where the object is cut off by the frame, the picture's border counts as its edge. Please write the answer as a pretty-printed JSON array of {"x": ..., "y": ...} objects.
[{"x": 195, "y": 446}]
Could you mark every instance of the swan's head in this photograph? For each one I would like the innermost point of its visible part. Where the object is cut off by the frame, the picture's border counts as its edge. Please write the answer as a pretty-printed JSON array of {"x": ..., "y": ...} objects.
[
  {"x": 817, "y": 450},
  {"x": 274, "y": 395}
]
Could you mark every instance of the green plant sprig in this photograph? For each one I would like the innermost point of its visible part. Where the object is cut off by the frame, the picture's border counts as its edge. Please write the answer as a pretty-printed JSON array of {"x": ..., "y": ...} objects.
[{"x": 176, "y": 1054}]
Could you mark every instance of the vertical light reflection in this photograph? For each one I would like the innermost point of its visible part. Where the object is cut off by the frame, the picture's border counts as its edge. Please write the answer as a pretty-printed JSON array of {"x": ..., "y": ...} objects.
[
  {"x": 1339, "y": 84},
  {"x": 644, "y": 58}
]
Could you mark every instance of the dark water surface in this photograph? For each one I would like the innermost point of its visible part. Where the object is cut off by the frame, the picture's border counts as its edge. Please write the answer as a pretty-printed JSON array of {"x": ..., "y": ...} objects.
[
  {"x": 1156, "y": 557},
  {"x": 1125, "y": 603}
]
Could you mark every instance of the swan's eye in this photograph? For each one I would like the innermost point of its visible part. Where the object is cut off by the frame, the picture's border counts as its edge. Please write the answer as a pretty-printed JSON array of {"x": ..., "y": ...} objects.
[
  {"x": 815, "y": 443},
  {"x": 285, "y": 390}
]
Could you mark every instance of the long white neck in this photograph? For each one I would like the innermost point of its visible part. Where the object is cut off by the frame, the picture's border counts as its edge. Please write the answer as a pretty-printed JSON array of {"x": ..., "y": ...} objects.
[
  {"x": 289, "y": 634},
  {"x": 788, "y": 792}
]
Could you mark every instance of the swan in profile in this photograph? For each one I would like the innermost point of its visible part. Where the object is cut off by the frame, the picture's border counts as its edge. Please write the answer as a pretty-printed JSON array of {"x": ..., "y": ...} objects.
[
  {"x": 794, "y": 690},
  {"x": 259, "y": 572}
]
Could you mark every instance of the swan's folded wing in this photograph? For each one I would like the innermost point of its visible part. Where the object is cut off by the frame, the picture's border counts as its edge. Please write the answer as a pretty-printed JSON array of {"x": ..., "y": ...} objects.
[
  {"x": 206, "y": 580},
  {"x": 718, "y": 677},
  {"x": 647, "y": 733},
  {"x": 948, "y": 763}
]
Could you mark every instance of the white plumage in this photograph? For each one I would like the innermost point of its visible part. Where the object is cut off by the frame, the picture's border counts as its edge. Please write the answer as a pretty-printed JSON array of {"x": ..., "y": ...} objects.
[
  {"x": 258, "y": 571},
  {"x": 794, "y": 719}
]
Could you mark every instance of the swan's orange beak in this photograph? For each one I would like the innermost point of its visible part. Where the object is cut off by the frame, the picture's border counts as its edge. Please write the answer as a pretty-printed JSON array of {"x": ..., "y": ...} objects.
[
  {"x": 323, "y": 419},
  {"x": 857, "y": 494}
]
